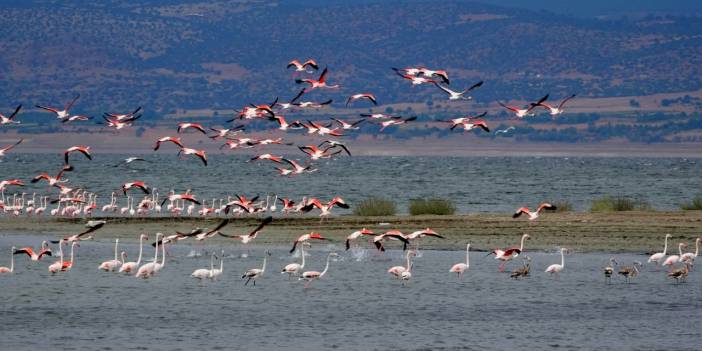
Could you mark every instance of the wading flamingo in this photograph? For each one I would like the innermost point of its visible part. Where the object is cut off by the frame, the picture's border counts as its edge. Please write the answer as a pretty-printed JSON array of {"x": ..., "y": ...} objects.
[
  {"x": 658, "y": 257},
  {"x": 459, "y": 268},
  {"x": 557, "y": 268},
  {"x": 130, "y": 267},
  {"x": 309, "y": 276}
]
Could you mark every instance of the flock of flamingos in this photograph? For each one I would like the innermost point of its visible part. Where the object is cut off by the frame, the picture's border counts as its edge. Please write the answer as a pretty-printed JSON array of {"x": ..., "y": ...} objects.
[{"x": 74, "y": 200}]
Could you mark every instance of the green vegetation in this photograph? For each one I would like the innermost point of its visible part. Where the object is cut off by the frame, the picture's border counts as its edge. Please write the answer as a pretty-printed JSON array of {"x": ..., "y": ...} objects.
[
  {"x": 619, "y": 203},
  {"x": 695, "y": 204},
  {"x": 374, "y": 207},
  {"x": 431, "y": 207}
]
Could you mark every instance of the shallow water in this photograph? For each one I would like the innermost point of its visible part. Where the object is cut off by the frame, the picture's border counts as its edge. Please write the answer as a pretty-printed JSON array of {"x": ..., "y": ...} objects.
[
  {"x": 356, "y": 306},
  {"x": 475, "y": 184}
]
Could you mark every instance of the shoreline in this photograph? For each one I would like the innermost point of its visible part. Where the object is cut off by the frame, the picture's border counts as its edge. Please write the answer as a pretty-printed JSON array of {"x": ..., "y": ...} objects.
[{"x": 632, "y": 231}]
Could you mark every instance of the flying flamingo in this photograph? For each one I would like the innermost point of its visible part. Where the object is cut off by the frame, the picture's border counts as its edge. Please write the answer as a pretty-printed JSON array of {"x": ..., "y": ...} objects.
[
  {"x": 9, "y": 147},
  {"x": 5, "y": 270},
  {"x": 368, "y": 96},
  {"x": 123, "y": 116},
  {"x": 111, "y": 265},
  {"x": 170, "y": 139},
  {"x": 53, "y": 181},
  {"x": 9, "y": 120},
  {"x": 673, "y": 259},
  {"x": 658, "y": 257},
  {"x": 392, "y": 235},
  {"x": 557, "y": 268},
  {"x": 395, "y": 122},
  {"x": 555, "y": 111},
  {"x": 247, "y": 238},
  {"x": 302, "y": 67},
  {"x": 91, "y": 225},
  {"x": 306, "y": 237},
  {"x": 61, "y": 114},
  {"x": 130, "y": 267},
  {"x": 507, "y": 255},
  {"x": 533, "y": 215},
  {"x": 120, "y": 124},
  {"x": 186, "y": 125},
  {"x": 295, "y": 268},
  {"x": 415, "y": 80},
  {"x": 255, "y": 273},
  {"x": 520, "y": 113},
  {"x": 309, "y": 276},
  {"x": 321, "y": 82},
  {"x": 459, "y": 268},
  {"x": 199, "y": 153},
  {"x": 357, "y": 234},
  {"x": 44, "y": 250},
  {"x": 85, "y": 150},
  {"x": 458, "y": 95},
  {"x": 136, "y": 184}
]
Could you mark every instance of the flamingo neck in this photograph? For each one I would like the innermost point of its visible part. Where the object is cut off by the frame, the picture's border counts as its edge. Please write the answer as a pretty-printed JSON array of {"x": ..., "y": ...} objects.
[
  {"x": 468, "y": 255},
  {"x": 141, "y": 248},
  {"x": 680, "y": 249},
  {"x": 697, "y": 247},
  {"x": 408, "y": 260},
  {"x": 302, "y": 252},
  {"x": 521, "y": 244},
  {"x": 163, "y": 255},
  {"x": 156, "y": 251},
  {"x": 12, "y": 260},
  {"x": 562, "y": 259},
  {"x": 263, "y": 269},
  {"x": 665, "y": 246},
  {"x": 124, "y": 259},
  {"x": 221, "y": 263},
  {"x": 72, "y": 246},
  {"x": 326, "y": 268},
  {"x": 116, "y": 243},
  {"x": 61, "y": 252}
]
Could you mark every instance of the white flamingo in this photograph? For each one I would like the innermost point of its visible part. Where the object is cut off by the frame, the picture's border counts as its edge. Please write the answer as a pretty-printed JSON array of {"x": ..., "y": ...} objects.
[
  {"x": 658, "y": 257},
  {"x": 557, "y": 268},
  {"x": 673, "y": 259},
  {"x": 111, "y": 265},
  {"x": 129, "y": 267},
  {"x": 5, "y": 270},
  {"x": 689, "y": 257},
  {"x": 255, "y": 273},
  {"x": 295, "y": 268},
  {"x": 460, "y": 268},
  {"x": 147, "y": 269},
  {"x": 203, "y": 273},
  {"x": 309, "y": 276}
]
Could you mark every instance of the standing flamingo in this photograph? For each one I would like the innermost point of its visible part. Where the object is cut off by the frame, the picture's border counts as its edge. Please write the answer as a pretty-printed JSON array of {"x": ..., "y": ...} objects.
[
  {"x": 56, "y": 266},
  {"x": 689, "y": 257},
  {"x": 111, "y": 265},
  {"x": 203, "y": 273},
  {"x": 658, "y": 257},
  {"x": 557, "y": 268},
  {"x": 255, "y": 273},
  {"x": 459, "y": 268},
  {"x": 10, "y": 270},
  {"x": 396, "y": 271},
  {"x": 67, "y": 265},
  {"x": 507, "y": 255},
  {"x": 673, "y": 259},
  {"x": 309, "y": 276},
  {"x": 295, "y": 268},
  {"x": 147, "y": 269},
  {"x": 129, "y": 267},
  {"x": 215, "y": 273}
]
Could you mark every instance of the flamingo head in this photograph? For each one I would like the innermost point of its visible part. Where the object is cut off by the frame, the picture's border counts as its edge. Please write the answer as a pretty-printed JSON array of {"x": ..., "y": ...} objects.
[{"x": 526, "y": 236}]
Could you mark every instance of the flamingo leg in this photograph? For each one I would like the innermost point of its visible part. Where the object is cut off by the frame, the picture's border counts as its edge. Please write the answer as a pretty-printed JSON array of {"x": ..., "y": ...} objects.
[{"x": 502, "y": 266}]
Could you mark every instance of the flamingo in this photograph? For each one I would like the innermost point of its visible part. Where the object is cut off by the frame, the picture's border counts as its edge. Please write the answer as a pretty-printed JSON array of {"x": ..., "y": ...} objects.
[
  {"x": 136, "y": 184},
  {"x": 508, "y": 254},
  {"x": 295, "y": 268},
  {"x": 5, "y": 183},
  {"x": 321, "y": 82},
  {"x": 468, "y": 126},
  {"x": 61, "y": 114},
  {"x": 56, "y": 266},
  {"x": 85, "y": 150},
  {"x": 130, "y": 267},
  {"x": 533, "y": 215},
  {"x": 67, "y": 265},
  {"x": 203, "y": 273},
  {"x": 416, "y": 235},
  {"x": 168, "y": 139},
  {"x": 520, "y": 113},
  {"x": 673, "y": 259},
  {"x": 306, "y": 237},
  {"x": 555, "y": 111},
  {"x": 301, "y": 67},
  {"x": 630, "y": 271},
  {"x": 390, "y": 234},
  {"x": 9, "y": 147},
  {"x": 658, "y": 257},
  {"x": 609, "y": 269},
  {"x": 187, "y": 125},
  {"x": 680, "y": 274},
  {"x": 147, "y": 270},
  {"x": 460, "y": 268},
  {"x": 316, "y": 153},
  {"x": 355, "y": 97},
  {"x": 5, "y": 270},
  {"x": 291, "y": 103},
  {"x": 53, "y": 181},
  {"x": 276, "y": 159},
  {"x": 689, "y": 257},
  {"x": 120, "y": 124},
  {"x": 297, "y": 168},
  {"x": 111, "y": 265},
  {"x": 357, "y": 234},
  {"x": 159, "y": 266},
  {"x": 44, "y": 250},
  {"x": 395, "y": 122},
  {"x": 123, "y": 116},
  {"x": 415, "y": 80},
  {"x": 347, "y": 125},
  {"x": 309, "y": 276},
  {"x": 199, "y": 153},
  {"x": 458, "y": 95},
  {"x": 9, "y": 120},
  {"x": 396, "y": 271},
  {"x": 91, "y": 225},
  {"x": 557, "y": 268},
  {"x": 255, "y": 273}
]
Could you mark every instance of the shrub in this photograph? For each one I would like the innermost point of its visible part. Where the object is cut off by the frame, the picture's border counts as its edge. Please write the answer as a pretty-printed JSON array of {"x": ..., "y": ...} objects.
[
  {"x": 375, "y": 207},
  {"x": 563, "y": 206},
  {"x": 431, "y": 206},
  {"x": 619, "y": 203},
  {"x": 695, "y": 204}
]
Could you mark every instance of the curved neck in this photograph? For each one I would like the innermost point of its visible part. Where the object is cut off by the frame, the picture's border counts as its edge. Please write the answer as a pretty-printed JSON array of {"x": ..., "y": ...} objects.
[
  {"x": 12, "y": 260},
  {"x": 221, "y": 263},
  {"x": 163, "y": 255},
  {"x": 521, "y": 245},
  {"x": 116, "y": 243},
  {"x": 141, "y": 248},
  {"x": 263, "y": 269},
  {"x": 72, "y": 246},
  {"x": 326, "y": 268},
  {"x": 124, "y": 259},
  {"x": 156, "y": 251},
  {"x": 665, "y": 247},
  {"x": 408, "y": 260},
  {"x": 61, "y": 252},
  {"x": 468, "y": 255},
  {"x": 680, "y": 246},
  {"x": 697, "y": 247}
]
